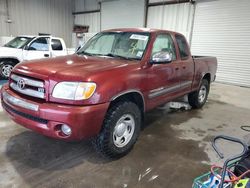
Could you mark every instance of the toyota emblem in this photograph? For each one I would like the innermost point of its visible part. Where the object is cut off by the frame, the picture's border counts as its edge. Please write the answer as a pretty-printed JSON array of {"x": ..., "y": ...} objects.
[{"x": 21, "y": 84}]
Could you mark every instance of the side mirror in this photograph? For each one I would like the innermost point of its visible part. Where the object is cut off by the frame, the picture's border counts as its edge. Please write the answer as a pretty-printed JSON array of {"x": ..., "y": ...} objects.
[{"x": 161, "y": 58}]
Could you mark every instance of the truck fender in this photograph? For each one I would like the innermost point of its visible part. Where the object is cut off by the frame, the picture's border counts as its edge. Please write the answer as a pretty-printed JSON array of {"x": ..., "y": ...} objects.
[
  {"x": 207, "y": 76},
  {"x": 15, "y": 60},
  {"x": 130, "y": 91}
]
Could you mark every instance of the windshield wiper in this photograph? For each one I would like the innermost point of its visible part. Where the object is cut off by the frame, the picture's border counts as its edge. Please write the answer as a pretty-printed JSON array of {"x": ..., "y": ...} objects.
[
  {"x": 109, "y": 55},
  {"x": 119, "y": 56},
  {"x": 85, "y": 53},
  {"x": 114, "y": 55}
]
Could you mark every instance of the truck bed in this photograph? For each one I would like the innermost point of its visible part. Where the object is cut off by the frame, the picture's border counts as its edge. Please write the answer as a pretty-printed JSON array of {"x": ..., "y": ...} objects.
[{"x": 204, "y": 64}]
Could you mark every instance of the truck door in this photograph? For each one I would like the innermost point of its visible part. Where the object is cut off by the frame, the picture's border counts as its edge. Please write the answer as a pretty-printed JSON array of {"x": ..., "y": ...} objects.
[
  {"x": 58, "y": 48},
  {"x": 186, "y": 64},
  {"x": 164, "y": 78},
  {"x": 37, "y": 49}
]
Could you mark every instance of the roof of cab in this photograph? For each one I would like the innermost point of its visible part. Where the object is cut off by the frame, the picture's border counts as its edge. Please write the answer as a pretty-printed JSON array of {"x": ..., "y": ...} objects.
[
  {"x": 35, "y": 36},
  {"x": 149, "y": 30}
]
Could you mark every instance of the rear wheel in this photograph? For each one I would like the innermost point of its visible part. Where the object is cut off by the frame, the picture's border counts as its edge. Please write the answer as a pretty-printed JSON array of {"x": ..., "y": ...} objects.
[
  {"x": 198, "y": 98},
  {"x": 6, "y": 68},
  {"x": 120, "y": 130}
]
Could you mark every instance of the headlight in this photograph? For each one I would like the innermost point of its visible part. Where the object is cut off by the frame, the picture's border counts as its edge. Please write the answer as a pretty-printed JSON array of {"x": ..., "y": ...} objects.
[{"x": 74, "y": 90}]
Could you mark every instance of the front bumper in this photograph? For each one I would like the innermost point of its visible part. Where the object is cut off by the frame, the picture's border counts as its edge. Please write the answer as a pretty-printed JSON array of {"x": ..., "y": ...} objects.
[{"x": 47, "y": 118}]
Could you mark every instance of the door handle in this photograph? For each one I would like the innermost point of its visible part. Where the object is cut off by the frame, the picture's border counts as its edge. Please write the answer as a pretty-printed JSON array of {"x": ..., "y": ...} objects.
[{"x": 46, "y": 55}]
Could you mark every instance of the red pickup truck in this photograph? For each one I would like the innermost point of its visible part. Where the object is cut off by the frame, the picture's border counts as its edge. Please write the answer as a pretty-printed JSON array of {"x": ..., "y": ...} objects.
[{"x": 104, "y": 90}]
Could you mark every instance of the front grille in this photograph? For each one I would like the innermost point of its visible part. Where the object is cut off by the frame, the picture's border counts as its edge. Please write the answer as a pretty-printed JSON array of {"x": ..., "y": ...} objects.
[
  {"x": 27, "y": 86},
  {"x": 27, "y": 116}
]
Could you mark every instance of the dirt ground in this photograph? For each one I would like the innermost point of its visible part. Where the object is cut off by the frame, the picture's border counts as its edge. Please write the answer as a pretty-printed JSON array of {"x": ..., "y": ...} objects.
[{"x": 173, "y": 148}]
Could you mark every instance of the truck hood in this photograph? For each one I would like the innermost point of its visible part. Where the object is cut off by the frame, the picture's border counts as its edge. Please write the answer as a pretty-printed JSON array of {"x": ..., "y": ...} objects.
[
  {"x": 71, "y": 67},
  {"x": 8, "y": 52}
]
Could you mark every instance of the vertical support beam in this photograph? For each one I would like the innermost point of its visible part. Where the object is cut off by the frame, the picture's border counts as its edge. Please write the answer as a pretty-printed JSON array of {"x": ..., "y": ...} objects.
[
  {"x": 192, "y": 26},
  {"x": 8, "y": 16},
  {"x": 100, "y": 7},
  {"x": 146, "y": 13}
]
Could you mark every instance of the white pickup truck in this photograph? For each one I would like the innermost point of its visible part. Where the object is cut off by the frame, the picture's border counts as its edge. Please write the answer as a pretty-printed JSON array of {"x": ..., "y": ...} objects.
[{"x": 27, "y": 48}]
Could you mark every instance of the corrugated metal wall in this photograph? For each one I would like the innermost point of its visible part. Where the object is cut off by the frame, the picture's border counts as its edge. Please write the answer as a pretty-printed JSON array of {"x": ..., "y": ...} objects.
[
  {"x": 90, "y": 19},
  {"x": 4, "y": 28},
  {"x": 93, "y": 20},
  {"x": 34, "y": 16},
  {"x": 84, "y": 5},
  {"x": 222, "y": 29},
  {"x": 176, "y": 17},
  {"x": 120, "y": 13}
]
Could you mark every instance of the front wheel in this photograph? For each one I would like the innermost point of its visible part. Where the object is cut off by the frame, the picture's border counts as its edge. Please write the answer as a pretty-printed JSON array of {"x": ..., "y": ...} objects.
[
  {"x": 6, "y": 68},
  {"x": 120, "y": 130},
  {"x": 198, "y": 98}
]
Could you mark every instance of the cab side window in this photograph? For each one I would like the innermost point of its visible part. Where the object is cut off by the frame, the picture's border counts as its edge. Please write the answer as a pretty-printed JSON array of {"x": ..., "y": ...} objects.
[
  {"x": 182, "y": 46},
  {"x": 164, "y": 43},
  {"x": 40, "y": 44}
]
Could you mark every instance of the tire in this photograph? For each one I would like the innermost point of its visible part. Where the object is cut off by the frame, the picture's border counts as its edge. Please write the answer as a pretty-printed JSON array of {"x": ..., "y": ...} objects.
[
  {"x": 6, "y": 68},
  {"x": 120, "y": 130},
  {"x": 198, "y": 98}
]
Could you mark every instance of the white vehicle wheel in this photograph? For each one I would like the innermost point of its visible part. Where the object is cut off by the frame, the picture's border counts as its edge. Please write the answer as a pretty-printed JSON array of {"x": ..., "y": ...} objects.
[
  {"x": 6, "y": 68},
  {"x": 198, "y": 98},
  {"x": 124, "y": 130},
  {"x": 120, "y": 130}
]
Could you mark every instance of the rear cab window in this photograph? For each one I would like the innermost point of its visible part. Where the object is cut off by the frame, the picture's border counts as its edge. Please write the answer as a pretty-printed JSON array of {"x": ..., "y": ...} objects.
[
  {"x": 56, "y": 45},
  {"x": 182, "y": 46}
]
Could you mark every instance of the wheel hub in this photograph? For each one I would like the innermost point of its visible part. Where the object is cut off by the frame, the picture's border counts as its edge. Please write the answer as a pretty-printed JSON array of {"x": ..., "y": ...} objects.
[
  {"x": 202, "y": 94},
  {"x": 6, "y": 70},
  {"x": 123, "y": 130}
]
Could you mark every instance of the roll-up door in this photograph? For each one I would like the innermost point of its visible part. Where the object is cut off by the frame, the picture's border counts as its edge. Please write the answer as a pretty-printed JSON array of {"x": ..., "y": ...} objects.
[
  {"x": 175, "y": 17},
  {"x": 222, "y": 29}
]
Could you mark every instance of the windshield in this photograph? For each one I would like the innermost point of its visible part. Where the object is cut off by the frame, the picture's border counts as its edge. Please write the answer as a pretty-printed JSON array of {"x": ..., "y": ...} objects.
[
  {"x": 18, "y": 42},
  {"x": 127, "y": 45}
]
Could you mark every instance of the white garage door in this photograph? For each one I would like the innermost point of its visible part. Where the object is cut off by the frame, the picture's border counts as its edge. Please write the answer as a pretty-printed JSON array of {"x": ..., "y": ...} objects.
[
  {"x": 222, "y": 29},
  {"x": 176, "y": 17}
]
